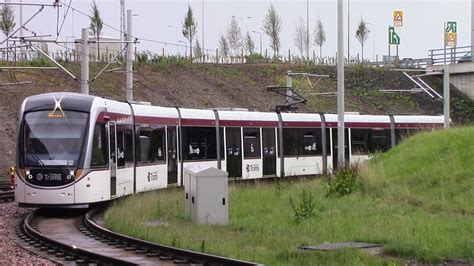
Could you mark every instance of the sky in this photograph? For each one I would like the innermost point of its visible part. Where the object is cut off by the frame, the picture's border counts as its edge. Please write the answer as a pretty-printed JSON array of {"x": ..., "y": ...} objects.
[{"x": 161, "y": 21}]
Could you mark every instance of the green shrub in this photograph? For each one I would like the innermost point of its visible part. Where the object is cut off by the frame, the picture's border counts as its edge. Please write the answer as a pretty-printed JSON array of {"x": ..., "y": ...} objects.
[
  {"x": 40, "y": 61},
  {"x": 304, "y": 208},
  {"x": 343, "y": 182}
]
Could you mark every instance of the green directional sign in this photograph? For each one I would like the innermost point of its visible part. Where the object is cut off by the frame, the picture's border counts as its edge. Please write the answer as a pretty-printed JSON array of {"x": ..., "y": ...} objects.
[
  {"x": 451, "y": 27},
  {"x": 393, "y": 37}
]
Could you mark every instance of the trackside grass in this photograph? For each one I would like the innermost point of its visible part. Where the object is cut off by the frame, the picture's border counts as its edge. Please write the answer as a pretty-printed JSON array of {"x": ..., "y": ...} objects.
[{"x": 417, "y": 200}]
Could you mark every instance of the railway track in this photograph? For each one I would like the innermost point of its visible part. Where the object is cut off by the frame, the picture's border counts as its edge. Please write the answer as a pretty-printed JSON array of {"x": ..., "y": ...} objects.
[
  {"x": 8, "y": 195},
  {"x": 78, "y": 238}
]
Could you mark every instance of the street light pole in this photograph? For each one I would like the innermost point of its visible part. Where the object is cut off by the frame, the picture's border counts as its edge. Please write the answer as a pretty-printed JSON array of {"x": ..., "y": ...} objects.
[
  {"x": 259, "y": 33},
  {"x": 185, "y": 48},
  {"x": 170, "y": 26}
]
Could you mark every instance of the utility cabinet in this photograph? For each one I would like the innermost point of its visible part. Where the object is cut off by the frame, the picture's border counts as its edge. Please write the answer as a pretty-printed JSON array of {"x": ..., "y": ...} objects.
[{"x": 207, "y": 198}]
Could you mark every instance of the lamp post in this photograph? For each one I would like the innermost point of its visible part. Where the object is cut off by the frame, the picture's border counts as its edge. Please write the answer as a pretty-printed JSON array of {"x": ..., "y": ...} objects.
[
  {"x": 259, "y": 33},
  {"x": 373, "y": 40},
  {"x": 307, "y": 29},
  {"x": 170, "y": 26},
  {"x": 185, "y": 48},
  {"x": 348, "y": 30}
]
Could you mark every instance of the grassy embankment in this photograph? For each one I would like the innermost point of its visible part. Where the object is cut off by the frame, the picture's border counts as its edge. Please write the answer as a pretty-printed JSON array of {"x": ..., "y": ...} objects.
[{"x": 417, "y": 200}]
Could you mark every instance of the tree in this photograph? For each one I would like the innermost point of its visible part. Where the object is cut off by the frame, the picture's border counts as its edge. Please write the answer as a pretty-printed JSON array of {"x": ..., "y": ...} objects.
[
  {"x": 96, "y": 25},
  {"x": 189, "y": 30},
  {"x": 223, "y": 46},
  {"x": 248, "y": 44},
  {"x": 362, "y": 34},
  {"x": 319, "y": 36},
  {"x": 300, "y": 36},
  {"x": 234, "y": 36},
  {"x": 272, "y": 28},
  {"x": 7, "y": 21},
  {"x": 197, "y": 49}
]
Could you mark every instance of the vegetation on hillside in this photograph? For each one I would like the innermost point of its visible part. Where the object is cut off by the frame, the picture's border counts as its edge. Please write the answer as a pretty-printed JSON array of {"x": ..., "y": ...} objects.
[{"x": 416, "y": 200}]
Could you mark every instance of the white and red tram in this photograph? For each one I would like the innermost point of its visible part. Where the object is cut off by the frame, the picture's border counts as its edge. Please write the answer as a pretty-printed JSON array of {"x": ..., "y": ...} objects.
[{"x": 74, "y": 149}]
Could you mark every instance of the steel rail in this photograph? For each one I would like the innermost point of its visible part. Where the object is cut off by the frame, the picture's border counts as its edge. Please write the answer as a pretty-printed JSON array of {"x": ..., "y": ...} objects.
[
  {"x": 73, "y": 251},
  {"x": 183, "y": 254},
  {"x": 8, "y": 195}
]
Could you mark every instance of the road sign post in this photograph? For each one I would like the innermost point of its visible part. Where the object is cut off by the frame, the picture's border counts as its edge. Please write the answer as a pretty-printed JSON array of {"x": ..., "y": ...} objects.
[{"x": 450, "y": 38}]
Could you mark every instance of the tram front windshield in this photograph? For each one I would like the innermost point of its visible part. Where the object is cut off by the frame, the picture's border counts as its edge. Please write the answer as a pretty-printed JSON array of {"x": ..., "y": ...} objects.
[{"x": 53, "y": 138}]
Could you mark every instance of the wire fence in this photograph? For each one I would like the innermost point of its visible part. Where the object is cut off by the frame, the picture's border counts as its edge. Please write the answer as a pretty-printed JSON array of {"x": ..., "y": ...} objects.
[{"x": 215, "y": 57}]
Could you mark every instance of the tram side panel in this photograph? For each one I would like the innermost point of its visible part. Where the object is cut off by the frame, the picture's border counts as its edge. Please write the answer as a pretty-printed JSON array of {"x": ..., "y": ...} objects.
[{"x": 303, "y": 151}]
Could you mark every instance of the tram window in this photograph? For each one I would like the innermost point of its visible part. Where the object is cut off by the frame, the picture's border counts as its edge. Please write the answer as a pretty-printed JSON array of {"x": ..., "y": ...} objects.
[
  {"x": 328, "y": 142},
  {"x": 359, "y": 141},
  {"x": 199, "y": 143},
  {"x": 157, "y": 149},
  {"x": 124, "y": 145},
  {"x": 99, "y": 147},
  {"x": 120, "y": 147},
  {"x": 251, "y": 143},
  {"x": 309, "y": 143},
  {"x": 379, "y": 140},
  {"x": 150, "y": 146},
  {"x": 301, "y": 141},
  {"x": 128, "y": 146}
]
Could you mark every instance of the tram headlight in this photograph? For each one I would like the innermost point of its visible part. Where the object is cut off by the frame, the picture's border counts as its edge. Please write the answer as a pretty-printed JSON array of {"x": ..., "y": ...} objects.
[{"x": 70, "y": 175}]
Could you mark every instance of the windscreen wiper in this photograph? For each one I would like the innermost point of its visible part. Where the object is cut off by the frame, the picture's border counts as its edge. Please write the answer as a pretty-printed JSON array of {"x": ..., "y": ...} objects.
[{"x": 34, "y": 155}]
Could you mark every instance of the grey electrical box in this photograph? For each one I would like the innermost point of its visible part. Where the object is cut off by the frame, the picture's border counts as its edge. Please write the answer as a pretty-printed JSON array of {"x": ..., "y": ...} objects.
[
  {"x": 207, "y": 201},
  {"x": 188, "y": 171}
]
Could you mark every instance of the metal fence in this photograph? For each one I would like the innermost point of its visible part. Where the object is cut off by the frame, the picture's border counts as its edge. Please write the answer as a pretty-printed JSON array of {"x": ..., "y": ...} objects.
[{"x": 453, "y": 55}]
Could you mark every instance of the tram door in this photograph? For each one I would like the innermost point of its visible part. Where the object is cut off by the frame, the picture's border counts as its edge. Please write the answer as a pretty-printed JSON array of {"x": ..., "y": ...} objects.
[
  {"x": 269, "y": 151},
  {"x": 113, "y": 159},
  {"x": 172, "y": 155},
  {"x": 335, "y": 147},
  {"x": 234, "y": 151}
]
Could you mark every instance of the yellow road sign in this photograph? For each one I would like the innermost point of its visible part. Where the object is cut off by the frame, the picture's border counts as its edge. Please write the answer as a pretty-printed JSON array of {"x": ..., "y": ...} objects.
[
  {"x": 397, "y": 18},
  {"x": 450, "y": 39}
]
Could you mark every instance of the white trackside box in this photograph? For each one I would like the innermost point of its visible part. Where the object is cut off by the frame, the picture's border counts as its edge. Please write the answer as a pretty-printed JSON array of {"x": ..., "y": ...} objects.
[
  {"x": 188, "y": 171},
  {"x": 208, "y": 195}
]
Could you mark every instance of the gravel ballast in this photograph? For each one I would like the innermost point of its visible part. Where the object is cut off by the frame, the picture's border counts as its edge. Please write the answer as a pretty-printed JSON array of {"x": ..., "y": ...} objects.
[{"x": 10, "y": 252}]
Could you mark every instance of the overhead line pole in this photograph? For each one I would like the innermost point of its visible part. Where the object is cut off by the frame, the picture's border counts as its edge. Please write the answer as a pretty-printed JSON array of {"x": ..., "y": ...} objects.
[
  {"x": 307, "y": 29},
  {"x": 22, "y": 49},
  {"x": 340, "y": 84},
  {"x": 85, "y": 61},
  {"x": 348, "y": 30},
  {"x": 129, "y": 67},
  {"x": 202, "y": 15}
]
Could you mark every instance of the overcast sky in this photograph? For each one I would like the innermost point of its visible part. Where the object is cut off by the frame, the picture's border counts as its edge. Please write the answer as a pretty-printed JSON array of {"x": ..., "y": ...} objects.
[{"x": 422, "y": 29}]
